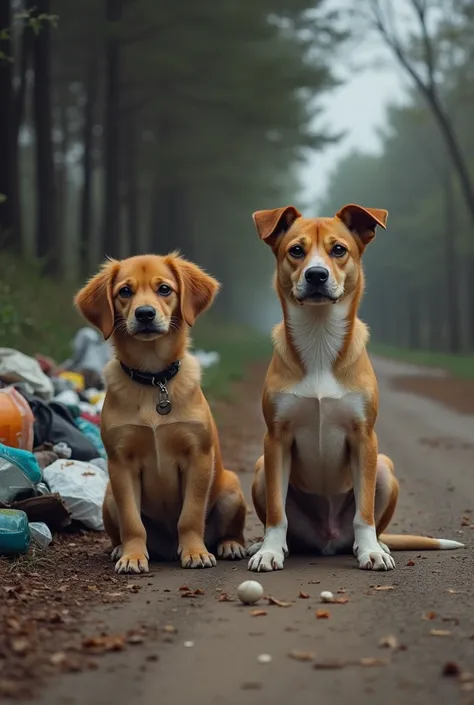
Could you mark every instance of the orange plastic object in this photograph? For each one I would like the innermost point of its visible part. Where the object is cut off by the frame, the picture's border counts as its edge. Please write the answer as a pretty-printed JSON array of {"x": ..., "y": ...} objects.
[{"x": 16, "y": 420}]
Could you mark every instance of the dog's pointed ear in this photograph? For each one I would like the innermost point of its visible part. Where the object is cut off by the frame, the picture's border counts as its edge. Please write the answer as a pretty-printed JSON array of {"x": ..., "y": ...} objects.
[
  {"x": 95, "y": 300},
  {"x": 362, "y": 221},
  {"x": 273, "y": 223},
  {"x": 197, "y": 289}
]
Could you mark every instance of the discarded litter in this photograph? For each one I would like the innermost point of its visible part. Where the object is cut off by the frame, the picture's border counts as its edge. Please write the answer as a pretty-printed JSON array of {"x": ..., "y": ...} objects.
[{"x": 14, "y": 532}]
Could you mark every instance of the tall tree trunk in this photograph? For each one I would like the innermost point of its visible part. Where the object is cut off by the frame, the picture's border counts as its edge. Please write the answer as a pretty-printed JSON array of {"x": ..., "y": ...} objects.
[
  {"x": 61, "y": 184},
  {"x": 112, "y": 131},
  {"x": 85, "y": 229},
  {"x": 169, "y": 223},
  {"x": 18, "y": 118},
  {"x": 131, "y": 158},
  {"x": 450, "y": 265},
  {"x": 6, "y": 127},
  {"x": 46, "y": 242}
]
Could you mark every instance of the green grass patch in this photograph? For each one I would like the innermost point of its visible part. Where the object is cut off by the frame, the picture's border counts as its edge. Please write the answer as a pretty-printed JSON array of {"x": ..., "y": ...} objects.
[
  {"x": 238, "y": 346},
  {"x": 36, "y": 314},
  {"x": 461, "y": 366}
]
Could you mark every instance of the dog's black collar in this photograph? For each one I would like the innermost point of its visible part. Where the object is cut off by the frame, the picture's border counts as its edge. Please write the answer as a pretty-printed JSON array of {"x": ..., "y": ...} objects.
[
  {"x": 158, "y": 379},
  {"x": 153, "y": 379}
]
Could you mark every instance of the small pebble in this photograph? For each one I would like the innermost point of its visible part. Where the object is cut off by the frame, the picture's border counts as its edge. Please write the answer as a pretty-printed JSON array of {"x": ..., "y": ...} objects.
[
  {"x": 249, "y": 592},
  {"x": 264, "y": 658},
  {"x": 188, "y": 644},
  {"x": 326, "y": 596}
]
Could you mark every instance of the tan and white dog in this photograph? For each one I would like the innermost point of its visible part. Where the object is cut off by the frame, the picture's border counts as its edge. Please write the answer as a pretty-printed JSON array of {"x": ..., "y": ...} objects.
[{"x": 321, "y": 485}]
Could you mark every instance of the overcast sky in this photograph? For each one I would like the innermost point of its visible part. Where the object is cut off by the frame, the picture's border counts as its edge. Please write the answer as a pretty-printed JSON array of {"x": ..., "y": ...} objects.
[{"x": 372, "y": 81}]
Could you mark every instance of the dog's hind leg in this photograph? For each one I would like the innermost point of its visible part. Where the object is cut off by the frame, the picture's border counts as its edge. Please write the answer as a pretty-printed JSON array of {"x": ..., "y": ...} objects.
[{"x": 226, "y": 521}]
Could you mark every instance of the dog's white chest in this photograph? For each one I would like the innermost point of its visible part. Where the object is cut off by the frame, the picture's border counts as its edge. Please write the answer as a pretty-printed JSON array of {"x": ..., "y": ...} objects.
[{"x": 320, "y": 410}]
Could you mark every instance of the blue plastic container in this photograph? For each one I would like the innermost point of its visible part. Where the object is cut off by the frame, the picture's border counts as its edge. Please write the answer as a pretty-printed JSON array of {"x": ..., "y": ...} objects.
[{"x": 14, "y": 532}]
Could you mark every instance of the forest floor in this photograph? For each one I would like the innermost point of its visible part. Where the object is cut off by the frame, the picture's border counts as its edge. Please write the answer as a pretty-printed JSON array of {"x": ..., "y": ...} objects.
[{"x": 74, "y": 633}]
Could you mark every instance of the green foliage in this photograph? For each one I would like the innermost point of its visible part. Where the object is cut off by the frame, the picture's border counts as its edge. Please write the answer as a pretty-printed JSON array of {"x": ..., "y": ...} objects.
[
  {"x": 461, "y": 366},
  {"x": 36, "y": 315}
]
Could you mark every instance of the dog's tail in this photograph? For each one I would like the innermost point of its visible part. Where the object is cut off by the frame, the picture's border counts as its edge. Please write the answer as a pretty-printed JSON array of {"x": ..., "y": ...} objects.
[{"x": 401, "y": 542}]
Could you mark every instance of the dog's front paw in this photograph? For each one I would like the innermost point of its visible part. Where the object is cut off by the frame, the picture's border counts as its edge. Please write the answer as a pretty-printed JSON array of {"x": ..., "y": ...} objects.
[
  {"x": 252, "y": 550},
  {"x": 231, "y": 550},
  {"x": 374, "y": 559},
  {"x": 266, "y": 560},
  {"x": 196, "y": 558},
  {"x": 132, "y": 563}
]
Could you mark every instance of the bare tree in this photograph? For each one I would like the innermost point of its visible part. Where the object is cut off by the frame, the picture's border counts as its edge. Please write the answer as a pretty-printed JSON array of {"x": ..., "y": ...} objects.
[{"x": 423, "y": 69}]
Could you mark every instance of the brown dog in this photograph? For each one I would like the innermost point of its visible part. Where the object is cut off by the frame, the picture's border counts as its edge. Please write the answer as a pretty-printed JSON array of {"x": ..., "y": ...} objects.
[
  {"x": 163, "y": 451},
  {"x": 321, "y": 482}
]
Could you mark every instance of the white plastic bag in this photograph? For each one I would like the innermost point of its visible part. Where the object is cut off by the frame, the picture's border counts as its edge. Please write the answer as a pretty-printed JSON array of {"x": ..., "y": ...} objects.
[
  {"x": 41, "y": 533},
  {"x": 17, "y": 367},
  {"x": 82, "y": 487}
]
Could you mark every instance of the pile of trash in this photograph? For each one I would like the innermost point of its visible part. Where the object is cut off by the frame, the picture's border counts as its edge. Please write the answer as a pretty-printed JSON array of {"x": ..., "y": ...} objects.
[{"x": 53, "y": 465}]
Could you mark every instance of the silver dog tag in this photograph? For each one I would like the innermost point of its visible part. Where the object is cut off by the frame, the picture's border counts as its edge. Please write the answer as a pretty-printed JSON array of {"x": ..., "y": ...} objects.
[{"x": 164, "y": 405}]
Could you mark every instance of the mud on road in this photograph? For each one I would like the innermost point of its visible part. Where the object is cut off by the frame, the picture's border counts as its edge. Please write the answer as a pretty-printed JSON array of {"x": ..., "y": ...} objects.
[{"x": 181, "y": 636}]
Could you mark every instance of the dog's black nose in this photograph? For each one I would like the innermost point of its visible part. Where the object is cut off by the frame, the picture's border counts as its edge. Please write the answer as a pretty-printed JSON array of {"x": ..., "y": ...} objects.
[
  {"x": 316, "y": 275},
  {"x": 145, "y": 314}
]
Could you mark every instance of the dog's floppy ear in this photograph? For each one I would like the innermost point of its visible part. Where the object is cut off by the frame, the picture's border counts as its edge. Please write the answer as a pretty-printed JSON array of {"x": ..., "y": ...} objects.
[
  {"x": 95, "y": 301},
  {"x": 362, "y": 221},
  {"x": 197, "y": 289},
  {"x": 273, "y": 223}
]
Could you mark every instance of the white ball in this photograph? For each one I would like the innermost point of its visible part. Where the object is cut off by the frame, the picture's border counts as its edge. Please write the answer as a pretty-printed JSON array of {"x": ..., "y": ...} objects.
[
  {"x": 249, "y": 592},
  {"x": 327, "y": 596}
]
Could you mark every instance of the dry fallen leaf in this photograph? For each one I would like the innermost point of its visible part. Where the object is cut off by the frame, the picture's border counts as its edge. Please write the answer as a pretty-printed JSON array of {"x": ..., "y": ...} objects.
[
  {"x": 303, "y": 595},
  {"x": 411, "y": 563},
  {"x": 184, "y": 588},
  {"x": 453, "y": 592},
  {"x": 389, "y": 642},
  {"x": 258, "y": 613},
  {"x": 370, "y": 661},
  {"x": 383, "y": 588},
  {"x": 278, "y": 603},
  {"x": 440, "y": 632},
  {"x": 322, "y": 614},
  {"x": 58, "y": 658},
  {"x": 451, "y": 669},
  {"x": 341, "y": 600},
  {"x": 320, "y": 665},
  {"x": 302, "y": 655},
  {"x": 101, "y": 644},
  {"x": 429, "y": 615},
  {"x": 224, "y": 597}
]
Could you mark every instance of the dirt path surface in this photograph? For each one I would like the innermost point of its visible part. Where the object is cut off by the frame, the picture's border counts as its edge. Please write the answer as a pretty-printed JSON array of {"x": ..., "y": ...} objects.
[{"x": 202, "y": 650}]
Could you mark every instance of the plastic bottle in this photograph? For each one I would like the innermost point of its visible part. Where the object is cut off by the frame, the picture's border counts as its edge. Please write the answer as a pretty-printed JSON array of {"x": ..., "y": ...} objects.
[{"x": 14, "y": 532}]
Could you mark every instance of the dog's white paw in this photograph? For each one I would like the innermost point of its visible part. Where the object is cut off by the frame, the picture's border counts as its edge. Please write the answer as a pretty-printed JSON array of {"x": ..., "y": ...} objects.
[
  {"x": 266, "y": 560},
  {"x": 374, "y": 559},
  {"x": 252, "y": 550},
  {"x": 132, "y": 563},
  {"x": 231, "y": 550},
  {"x": 116, "y": 553}
]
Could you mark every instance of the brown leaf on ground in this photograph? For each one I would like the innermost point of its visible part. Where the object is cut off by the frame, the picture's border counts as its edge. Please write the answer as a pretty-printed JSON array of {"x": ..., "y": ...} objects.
[
  {"x": 383, "y": 588},
  {"x": 429, "y": 615},
  {"x": 103, "y": 643},
  {"x": 411, "y": 563},
  {"x": 389, "y": 642},
  {"x": 371, "y": 661},
  {"x": 184, "y": 588},
  {"x": 322, "y": 665},
  {"x": 225, "y": 597},
  {"x": 258, "y": 613},
  {"x": 440, "y": 632},
  {"x": 304, "y": 595},
  {"x": 322, "y": 614},
  {"x": 451, "y": 668},
  {"x": 302, "y": 655},
  {"x": 278, "y": 603},
  {"x": 341, "y": 600}
]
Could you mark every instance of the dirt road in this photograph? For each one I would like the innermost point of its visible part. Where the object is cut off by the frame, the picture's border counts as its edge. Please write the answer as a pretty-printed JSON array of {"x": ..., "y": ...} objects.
[{"x": 212, "y": 658}]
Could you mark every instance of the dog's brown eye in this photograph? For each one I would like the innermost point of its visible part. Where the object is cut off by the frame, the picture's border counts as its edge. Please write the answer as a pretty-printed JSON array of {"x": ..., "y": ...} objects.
[
  {"x": 338, "y": 251},
  {"x": 164, "y": 290},
  {"x": 296, "y": 251},
  {"x": 125, "y": 292}
]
